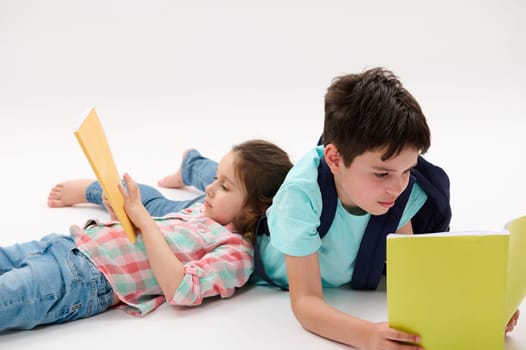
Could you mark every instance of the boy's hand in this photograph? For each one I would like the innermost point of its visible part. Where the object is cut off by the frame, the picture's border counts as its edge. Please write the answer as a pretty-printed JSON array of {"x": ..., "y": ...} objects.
[
  {"x": 385, "y": 337},
  {"x": 512, "y": 322}
]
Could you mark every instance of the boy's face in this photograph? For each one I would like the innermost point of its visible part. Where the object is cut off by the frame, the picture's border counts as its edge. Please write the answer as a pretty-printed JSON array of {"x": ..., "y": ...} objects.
[
  {"x": 370, "y": 183},
  {"x": 225, "y": 196}
]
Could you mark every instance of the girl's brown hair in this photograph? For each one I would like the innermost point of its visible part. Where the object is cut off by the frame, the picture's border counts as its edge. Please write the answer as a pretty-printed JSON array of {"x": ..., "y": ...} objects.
[{"x": 261, "y": 166}]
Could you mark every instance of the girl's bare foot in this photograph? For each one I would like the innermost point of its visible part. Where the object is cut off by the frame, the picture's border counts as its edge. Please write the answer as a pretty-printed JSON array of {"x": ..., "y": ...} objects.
[
  {"x": 174, "y": 180},
  {"x": 68, "y": 193}
]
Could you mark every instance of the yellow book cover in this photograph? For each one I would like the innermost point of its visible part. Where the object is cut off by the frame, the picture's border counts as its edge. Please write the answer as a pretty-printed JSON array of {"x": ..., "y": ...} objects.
[
  {"x": 92, "y": 139},
  {"x": 457, "y": 290}
]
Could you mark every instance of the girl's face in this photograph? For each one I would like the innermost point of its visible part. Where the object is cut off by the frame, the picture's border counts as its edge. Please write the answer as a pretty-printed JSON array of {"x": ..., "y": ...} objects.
[
  {"x": 371, "y": 183},
  {"x": 225, "y": 196}
]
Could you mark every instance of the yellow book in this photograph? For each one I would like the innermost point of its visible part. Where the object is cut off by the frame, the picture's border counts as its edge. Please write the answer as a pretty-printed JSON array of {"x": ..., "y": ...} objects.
[
  {"x": 457, "y": 290},
  {"x": 92, "y": 139}
]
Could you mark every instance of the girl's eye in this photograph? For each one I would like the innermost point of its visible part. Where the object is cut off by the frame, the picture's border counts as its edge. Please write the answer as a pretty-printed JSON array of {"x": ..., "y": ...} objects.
[{"x": 223, "y": 185}]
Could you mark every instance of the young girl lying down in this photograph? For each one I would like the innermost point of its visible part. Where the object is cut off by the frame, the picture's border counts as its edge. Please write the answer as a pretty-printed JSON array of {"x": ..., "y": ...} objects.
[{"x": 200, "y": 251}]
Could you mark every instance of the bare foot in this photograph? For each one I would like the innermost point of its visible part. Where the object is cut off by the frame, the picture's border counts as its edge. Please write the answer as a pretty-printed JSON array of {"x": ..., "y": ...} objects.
[
  {"x": 174, "y": 180},
  {"x": 68, "y": 193}
]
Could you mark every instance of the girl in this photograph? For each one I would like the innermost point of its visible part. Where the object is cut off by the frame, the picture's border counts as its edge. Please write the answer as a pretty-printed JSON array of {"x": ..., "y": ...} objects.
[{"x": 201, "y": 251}]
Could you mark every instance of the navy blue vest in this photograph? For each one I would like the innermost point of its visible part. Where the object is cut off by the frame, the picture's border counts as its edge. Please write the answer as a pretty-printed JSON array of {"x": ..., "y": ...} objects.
[{"x": 434, "y": 216}]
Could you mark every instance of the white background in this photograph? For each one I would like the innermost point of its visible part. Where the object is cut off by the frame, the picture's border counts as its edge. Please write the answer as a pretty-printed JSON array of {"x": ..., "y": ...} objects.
[{"x": 168, "y": 75}]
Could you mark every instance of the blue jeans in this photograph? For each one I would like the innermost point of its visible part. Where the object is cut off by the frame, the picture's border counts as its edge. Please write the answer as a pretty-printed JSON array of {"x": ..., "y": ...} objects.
[
  {"x": 49, "y": 281},
  {"x": 197, "y": 171}
]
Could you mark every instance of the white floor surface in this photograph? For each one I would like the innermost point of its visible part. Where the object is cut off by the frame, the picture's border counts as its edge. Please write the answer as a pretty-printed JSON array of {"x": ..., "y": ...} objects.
[{"x": 168, "y": 75}]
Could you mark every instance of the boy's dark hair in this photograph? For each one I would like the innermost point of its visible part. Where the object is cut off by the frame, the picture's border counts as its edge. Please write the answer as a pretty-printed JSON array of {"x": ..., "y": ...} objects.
[
  {"x": 372, "y": 111},
  {"x": 261, "y": 166}
]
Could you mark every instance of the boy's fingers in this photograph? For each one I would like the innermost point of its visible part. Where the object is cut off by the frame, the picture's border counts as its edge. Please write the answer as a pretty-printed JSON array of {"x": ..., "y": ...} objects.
[{"x": 399, "y": 336}]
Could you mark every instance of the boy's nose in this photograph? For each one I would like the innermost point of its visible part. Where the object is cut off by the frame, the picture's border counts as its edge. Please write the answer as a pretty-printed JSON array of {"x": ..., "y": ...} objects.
[{"x": 397, "y": 186}]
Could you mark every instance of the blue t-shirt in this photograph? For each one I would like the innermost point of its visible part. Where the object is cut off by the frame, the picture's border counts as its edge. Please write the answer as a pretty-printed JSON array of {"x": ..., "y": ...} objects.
[{"x": 294, "y": 217}]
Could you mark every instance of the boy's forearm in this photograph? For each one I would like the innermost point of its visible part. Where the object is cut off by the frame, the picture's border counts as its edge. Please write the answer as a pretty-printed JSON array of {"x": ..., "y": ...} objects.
[{"x": 318, "y": 317}]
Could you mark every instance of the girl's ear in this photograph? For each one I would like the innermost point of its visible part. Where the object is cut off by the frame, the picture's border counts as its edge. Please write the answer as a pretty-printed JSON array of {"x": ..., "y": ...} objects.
[{"x": 332, "y": 157}]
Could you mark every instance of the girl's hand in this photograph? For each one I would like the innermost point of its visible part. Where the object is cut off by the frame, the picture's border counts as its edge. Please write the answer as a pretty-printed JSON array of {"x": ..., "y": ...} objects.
[
  {"x": 384, "y": 337},
  {"x": 109, "y": 208},
  {"x": 512, "y": 322},
  {"x": 136, "y": 211}
]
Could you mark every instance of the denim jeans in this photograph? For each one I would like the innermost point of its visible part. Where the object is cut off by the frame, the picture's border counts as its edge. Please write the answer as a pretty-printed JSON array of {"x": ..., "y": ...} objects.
[
  {"x": 49, "y": 281},
  {"x": 197, "y": 171}
]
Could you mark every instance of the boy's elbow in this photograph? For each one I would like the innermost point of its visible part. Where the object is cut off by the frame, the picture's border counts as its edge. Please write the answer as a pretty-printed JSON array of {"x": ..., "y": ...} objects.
[
  {"x": 299, "y": 314},
  {"x": 302, "y": 309}
]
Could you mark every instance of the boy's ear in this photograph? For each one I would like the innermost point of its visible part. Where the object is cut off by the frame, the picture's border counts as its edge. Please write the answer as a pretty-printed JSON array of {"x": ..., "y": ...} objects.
[{"x": 332, "y": 157}]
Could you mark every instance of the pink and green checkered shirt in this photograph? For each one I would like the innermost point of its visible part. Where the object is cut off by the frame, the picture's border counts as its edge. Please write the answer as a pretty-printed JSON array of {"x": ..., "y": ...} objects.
[{"x": 215, "y": 260}]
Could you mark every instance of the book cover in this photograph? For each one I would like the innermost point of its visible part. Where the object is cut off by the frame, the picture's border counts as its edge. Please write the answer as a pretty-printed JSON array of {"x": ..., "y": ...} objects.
[
  {"x": 456, "y": 290},
  {"x": 92, "y": 139}
]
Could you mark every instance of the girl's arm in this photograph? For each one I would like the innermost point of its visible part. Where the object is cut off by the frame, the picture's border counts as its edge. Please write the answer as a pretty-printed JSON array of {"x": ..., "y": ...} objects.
[
  {"x": 226, "y": 267},
  {"x": 315, "y": 315},
  {"x": 168, "y": 270}
]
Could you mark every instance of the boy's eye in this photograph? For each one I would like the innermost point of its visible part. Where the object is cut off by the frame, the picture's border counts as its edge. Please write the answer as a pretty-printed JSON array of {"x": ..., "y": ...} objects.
[{"x": 381, "y": 175}]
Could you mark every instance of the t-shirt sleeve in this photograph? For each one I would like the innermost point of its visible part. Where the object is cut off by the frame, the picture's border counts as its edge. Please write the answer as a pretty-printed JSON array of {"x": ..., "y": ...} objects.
[
  {"x": 417, "y": 198},
  {"x": 293, "y": 219}
]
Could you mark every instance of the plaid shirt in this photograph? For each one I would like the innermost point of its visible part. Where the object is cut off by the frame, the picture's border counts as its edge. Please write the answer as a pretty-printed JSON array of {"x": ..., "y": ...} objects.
[{"x": 215, "y": 260}]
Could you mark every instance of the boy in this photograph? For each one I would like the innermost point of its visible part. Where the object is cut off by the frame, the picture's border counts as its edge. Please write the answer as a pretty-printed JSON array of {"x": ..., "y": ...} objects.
[{"x": 373, "y": 133}]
